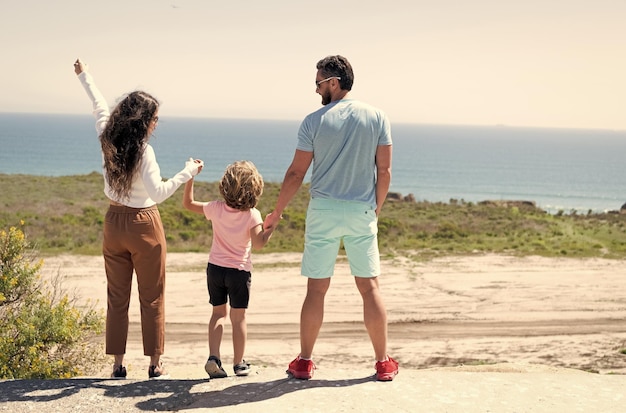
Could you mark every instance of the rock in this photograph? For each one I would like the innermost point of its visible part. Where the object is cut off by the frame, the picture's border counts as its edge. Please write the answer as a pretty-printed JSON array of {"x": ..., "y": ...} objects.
[
  {"x": 409, "y": 198},
  {"x": 397, "y": 196},
  {"x": 509, "y": 203}
]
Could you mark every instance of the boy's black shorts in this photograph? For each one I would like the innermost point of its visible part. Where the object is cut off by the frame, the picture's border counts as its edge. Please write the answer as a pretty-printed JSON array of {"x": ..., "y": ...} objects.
[{"x": 228, "y": 284}]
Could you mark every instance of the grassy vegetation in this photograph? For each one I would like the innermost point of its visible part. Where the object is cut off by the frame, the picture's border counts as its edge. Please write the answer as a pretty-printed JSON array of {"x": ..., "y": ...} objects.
[{"x": 65, "y": 214}]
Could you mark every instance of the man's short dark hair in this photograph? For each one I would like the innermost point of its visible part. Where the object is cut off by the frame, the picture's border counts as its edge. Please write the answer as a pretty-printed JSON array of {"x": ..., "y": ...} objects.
[{"x": 337, "y": 66}]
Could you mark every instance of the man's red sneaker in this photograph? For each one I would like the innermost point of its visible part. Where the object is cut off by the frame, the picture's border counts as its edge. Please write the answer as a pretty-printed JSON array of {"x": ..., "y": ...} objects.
[
  {"x": 386, "y": 370},
  {"x": 301, "y": 369}
]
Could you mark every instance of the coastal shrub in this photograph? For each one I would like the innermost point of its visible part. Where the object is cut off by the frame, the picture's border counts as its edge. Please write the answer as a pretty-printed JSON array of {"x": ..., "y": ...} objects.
[
  {"x": 43, "y": 334},
  {"x": 295, "y": 220},
  {"x": 449, "y": 230},
  {"x": 65, "y": 214},
  {"x": 187, "y": 235}
]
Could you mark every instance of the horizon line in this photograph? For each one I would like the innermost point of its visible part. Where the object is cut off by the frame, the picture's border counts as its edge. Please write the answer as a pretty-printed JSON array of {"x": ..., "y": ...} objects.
[{"x": 415, "y": 123}]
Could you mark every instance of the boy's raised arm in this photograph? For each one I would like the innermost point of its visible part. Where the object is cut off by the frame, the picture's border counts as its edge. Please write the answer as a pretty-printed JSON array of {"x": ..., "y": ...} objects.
[{"x": 188, "y": 201}]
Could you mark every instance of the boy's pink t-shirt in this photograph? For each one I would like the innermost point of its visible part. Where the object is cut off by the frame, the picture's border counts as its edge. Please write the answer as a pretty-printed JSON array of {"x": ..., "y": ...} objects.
[{"x": 232, "y": 245}]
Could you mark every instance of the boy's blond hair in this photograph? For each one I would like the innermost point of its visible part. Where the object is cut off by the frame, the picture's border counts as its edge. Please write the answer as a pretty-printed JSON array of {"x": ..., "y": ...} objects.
[{"x": 242, "y": 185}]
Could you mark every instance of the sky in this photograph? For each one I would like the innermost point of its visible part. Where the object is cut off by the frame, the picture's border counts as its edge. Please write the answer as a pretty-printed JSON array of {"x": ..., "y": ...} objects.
[{"x": 531, "y": 63}]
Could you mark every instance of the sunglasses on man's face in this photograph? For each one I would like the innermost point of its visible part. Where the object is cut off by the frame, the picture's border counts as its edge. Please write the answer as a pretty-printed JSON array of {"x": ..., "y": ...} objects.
[{"x": 319, "y": 82}]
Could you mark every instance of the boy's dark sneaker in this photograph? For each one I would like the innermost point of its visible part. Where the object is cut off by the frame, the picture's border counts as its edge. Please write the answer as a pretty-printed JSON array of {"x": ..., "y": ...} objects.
[
  {"x": 301, "y": 369},
  {"x": 119, "y": 372},
  {"x": 158, "y": 372},
  {"x": 242, "y": 369},
  {"x": 386, "y": 370},
  {"x": 214, "y": 368}
]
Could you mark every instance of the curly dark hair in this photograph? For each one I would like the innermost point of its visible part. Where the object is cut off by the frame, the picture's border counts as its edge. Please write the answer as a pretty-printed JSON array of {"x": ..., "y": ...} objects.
[
  {"x": 337, "y": 66},
  {"x": 123, "y": 139},
  {"x": 242, "y": 185}
]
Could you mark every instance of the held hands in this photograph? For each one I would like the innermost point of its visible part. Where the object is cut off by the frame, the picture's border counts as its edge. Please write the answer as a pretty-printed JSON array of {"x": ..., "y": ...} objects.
[
  {"x": 271, "y": 222},
  {"x": 194, "y": 166},
  {"x": 79, "y": 67}
]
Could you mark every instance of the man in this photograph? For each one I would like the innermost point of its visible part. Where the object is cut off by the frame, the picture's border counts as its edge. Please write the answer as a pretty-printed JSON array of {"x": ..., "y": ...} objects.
[{"x": 349, "y": 144}]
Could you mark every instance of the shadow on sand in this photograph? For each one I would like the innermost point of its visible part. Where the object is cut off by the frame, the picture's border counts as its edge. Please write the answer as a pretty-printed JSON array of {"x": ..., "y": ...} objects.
[{"x": 155, "y": 395}]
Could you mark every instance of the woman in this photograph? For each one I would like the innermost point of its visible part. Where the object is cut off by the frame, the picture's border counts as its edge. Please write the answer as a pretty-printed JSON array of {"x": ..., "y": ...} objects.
[{"x": 134, "y": 239}]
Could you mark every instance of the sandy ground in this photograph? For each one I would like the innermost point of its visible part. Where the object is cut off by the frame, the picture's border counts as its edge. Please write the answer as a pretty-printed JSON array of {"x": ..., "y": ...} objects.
[{"x": 486, "y": 310}]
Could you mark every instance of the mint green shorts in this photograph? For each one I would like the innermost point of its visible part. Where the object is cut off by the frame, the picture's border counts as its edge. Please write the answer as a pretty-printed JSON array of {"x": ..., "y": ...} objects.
[{"x": 328, "y": 222}]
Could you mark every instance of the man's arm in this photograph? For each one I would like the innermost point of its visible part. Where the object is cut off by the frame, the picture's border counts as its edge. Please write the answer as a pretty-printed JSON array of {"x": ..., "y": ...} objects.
[
  {"x": 291, "y": 183},
  {"x": 383, "y": 175}
]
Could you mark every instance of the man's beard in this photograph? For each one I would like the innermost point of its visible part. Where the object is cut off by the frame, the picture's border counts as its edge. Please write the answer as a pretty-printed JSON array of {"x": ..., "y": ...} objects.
[{"x": 326, "y": 98}]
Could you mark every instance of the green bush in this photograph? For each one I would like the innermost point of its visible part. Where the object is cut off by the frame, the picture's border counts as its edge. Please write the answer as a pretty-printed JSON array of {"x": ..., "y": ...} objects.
[{"x": 43, "y": 334}]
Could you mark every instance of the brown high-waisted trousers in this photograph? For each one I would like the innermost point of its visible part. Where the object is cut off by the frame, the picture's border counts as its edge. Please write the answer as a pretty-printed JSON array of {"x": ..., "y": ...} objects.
[{"x": 134, "y": 240}]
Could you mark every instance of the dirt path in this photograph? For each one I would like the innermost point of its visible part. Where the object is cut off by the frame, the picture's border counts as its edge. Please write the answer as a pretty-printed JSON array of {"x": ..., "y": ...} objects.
[{"x": 454, "y": 311}]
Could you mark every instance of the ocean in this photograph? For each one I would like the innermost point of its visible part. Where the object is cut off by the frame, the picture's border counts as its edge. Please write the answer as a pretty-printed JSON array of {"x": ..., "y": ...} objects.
[{"x": 559, "y": 169}]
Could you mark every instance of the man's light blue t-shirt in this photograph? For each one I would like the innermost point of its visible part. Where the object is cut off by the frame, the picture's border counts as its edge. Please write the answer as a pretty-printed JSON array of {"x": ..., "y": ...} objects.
[{"x": 343, "y": 137}]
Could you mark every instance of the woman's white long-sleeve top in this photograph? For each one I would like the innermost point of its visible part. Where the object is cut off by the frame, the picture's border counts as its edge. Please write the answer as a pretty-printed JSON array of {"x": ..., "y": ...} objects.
[{"x": 148, "y": 187}]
